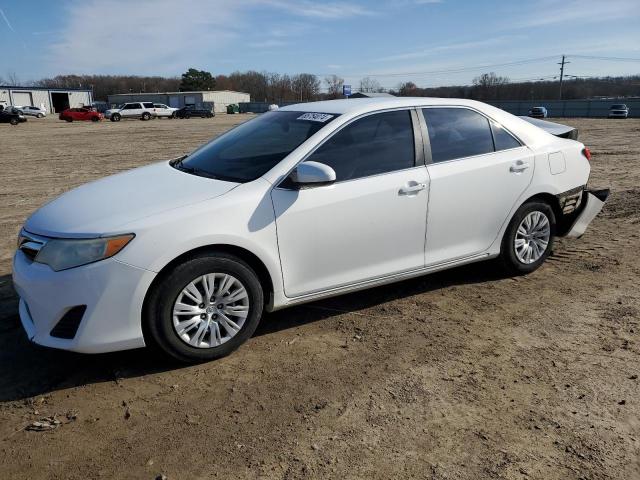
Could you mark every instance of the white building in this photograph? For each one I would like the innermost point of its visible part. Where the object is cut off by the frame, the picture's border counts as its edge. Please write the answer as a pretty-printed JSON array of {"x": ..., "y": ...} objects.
[
  {"x": 219, "y": 99},
  {"x": 51, "y": 99}
]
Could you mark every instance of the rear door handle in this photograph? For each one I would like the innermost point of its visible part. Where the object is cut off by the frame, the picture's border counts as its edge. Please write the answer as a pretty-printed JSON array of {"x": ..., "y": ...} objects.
[
  {"x": 518, "y": 167},
  {"x": 412, "y": 189}
]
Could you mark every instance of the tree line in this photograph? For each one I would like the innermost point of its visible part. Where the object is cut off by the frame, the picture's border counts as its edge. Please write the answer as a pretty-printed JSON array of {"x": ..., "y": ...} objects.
[{"x": 303, "y": 87}]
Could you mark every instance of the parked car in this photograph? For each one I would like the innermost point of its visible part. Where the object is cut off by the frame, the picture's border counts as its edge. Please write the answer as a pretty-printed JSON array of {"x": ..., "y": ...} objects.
[
  {"x": 619, "y": 110},
  {"x": 80, "y": 114},
  {"x": 309, "y": 201},
  {"x": 141, "y": 110},
  {"x": 163, "y": 110},
  {"x": 192, "y": 111},
  {"x": 538, "y": 112},
  {"x": 12, "y": 116},
  {"x": 32, "y": 111}
]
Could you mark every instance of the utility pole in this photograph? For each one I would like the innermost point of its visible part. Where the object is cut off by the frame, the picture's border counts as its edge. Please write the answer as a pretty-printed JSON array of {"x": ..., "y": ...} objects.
[{"x": 562, "y": 64}]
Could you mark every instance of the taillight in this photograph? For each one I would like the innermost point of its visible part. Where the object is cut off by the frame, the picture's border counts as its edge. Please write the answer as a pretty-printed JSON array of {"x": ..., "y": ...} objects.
[{"x": 587, "y": 153}]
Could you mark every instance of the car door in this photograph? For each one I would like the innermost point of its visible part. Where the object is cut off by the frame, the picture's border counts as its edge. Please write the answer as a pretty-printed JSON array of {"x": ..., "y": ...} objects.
[
  {"x": 132, "y": 110},
  {"x": 478, "y": 171},
  {"x": 370, "y": 222}
]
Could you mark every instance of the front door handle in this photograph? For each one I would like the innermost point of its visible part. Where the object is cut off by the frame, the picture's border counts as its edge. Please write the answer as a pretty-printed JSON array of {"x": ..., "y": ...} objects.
[
  {"x": 412, "y": 189},
  {"x": 519, "y": 167}
]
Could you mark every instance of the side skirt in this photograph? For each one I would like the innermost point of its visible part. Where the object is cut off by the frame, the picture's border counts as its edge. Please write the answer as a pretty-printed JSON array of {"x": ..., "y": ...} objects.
[{"x": 380, "y": 281}]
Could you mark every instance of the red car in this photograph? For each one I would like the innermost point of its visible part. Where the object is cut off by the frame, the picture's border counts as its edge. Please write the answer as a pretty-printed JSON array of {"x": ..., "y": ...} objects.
[{"x": 82, "y": 113}]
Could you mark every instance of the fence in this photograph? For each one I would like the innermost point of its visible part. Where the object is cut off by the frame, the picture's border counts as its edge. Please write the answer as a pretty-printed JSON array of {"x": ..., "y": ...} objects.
[
  {"x": 556, "y": 108},
  {"x": 569, "y": 108}
]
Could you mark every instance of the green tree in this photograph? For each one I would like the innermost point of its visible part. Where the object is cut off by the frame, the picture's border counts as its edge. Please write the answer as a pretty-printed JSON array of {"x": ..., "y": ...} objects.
[{"x": 194, "y": 80}]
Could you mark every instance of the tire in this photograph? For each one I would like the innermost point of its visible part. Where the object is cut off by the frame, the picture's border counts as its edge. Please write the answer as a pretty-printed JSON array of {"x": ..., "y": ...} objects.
[
  {"x": 95, "y": 119},
  {"x": 512, "y": 257},
  {"x": 159, "y": 318},
  {"x": 187, "y": 115},
  {"x": 14, "y": 121},
  {"x": 146, "y": 116},
  {"x": 40, "y": 115},
  {"x": 209, "y": 115},
  {"x": 116, "y": 117},
  {"x": 68, "y": 119}
]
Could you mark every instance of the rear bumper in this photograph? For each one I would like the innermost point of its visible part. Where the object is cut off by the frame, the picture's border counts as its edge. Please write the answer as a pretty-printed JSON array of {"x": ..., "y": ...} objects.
[{"x": 592, "y": 203}]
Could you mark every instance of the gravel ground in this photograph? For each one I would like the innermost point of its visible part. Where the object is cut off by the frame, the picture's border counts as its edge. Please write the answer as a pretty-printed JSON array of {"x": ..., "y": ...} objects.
[{"x": 464, "y": 374}]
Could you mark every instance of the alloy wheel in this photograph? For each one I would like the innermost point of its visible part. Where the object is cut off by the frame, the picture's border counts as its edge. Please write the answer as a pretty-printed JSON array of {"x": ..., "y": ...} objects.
[
  {"x": 210, "y": 310},
  {"x": 532, "y": 237}
]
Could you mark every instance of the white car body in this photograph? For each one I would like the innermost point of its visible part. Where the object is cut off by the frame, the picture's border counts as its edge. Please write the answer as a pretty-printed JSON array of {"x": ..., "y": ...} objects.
[
  {"x": 163, "y": 110},
  {"x": 311, "y": 242},
  {"x": 32, "y": 111}
]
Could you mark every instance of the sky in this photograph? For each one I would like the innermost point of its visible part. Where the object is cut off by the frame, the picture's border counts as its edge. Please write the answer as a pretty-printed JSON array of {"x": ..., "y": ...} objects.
[{"x": 428, "y": 42}]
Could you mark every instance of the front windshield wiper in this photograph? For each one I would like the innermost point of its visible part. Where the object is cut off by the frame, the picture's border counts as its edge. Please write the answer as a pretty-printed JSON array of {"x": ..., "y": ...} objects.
[{"x": 179, "y": 164}]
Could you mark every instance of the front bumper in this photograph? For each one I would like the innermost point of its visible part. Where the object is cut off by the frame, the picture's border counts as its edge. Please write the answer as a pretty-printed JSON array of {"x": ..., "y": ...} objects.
[
  {"x": 592, "y": 203},
  {"x": 112, "y": 291}
]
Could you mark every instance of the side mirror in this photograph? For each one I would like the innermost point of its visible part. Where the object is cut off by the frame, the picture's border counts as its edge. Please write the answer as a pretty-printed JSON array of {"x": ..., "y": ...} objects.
[{"x": 313, "y": 173}]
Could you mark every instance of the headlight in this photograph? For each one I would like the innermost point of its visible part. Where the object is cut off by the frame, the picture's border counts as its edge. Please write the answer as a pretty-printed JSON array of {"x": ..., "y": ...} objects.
[{"x": 61, "y": 254}]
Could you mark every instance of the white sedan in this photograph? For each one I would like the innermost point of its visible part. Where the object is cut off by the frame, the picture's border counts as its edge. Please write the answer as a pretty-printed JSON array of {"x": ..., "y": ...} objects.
[{"x": 305, "y": 202}]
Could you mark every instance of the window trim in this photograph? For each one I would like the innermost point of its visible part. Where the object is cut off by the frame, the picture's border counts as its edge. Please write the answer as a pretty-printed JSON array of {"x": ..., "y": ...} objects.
[
  {"x": 418, "y": 141},
  {"x": 427, "y": 140}
]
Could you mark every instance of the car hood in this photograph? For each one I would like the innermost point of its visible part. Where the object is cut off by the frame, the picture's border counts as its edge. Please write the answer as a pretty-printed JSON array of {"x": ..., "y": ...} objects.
[{"x": 106, "y": 205}]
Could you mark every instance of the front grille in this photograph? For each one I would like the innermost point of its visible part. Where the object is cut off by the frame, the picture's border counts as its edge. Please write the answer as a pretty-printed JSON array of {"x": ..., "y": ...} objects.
[{"x": 69, "y": 323}]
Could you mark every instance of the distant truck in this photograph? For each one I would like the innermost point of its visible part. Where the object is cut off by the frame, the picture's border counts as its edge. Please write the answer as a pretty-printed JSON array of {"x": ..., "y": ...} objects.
[
  {"x": 538, "y": 112},
  {"x": 618, "y": 110}
]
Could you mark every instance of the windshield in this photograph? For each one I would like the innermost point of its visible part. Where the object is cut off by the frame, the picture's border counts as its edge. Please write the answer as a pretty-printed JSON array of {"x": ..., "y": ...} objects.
[
  {"x": 537, "y": 109},
  {"x": 253, "y": 148},
  {"x": 619, "y": 106}
]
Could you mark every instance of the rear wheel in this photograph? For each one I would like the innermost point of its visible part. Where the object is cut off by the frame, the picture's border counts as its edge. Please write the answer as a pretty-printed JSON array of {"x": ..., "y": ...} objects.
[
  {"x": 187, "y": 115},
  {"x": 205, "y": 308},
  {"x": 40, "y": 115},
  {"x": 115, "y": 117},
  {"x": 146, "y": 116},
  {"x": 95, "y": 119},
  {"x": 14, "y": 121},
  {"x": 528, "y": 239},
  {"x": 68, "y": 119},
  {"x": 209, "y": 115}
]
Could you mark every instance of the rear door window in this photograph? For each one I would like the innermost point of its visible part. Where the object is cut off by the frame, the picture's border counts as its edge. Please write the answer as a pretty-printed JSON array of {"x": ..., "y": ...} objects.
[
  {"x": 375, "y": 144},
  {"x": 148, "y": 105},
  {"x": 457, "y": 133}
]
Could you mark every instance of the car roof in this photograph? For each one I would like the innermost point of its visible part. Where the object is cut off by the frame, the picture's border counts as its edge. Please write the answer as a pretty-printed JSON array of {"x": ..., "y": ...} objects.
[
  {"x": 528, "y": 133},
  {"x": 364, "y": 105}
]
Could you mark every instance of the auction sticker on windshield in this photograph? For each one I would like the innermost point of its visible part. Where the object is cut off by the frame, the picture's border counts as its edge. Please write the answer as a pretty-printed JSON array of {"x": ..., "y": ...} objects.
[{"x": 315, "y": 117}]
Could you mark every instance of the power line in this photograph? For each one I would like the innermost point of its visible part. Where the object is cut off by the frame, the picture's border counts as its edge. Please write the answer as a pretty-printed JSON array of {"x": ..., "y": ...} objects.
[
  {"x": 445, "y": 71},
  {"x": 613, "y": 59}
]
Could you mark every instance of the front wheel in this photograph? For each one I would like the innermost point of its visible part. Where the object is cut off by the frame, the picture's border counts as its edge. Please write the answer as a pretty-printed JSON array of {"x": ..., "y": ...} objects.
[
  {"x": 14, "y": 121},
  {"x": 528, "y": 240},
  {"x": 115, "y": 117},
  {"x": 205, "y": 308},
  {"x": 40, "y": 115}
]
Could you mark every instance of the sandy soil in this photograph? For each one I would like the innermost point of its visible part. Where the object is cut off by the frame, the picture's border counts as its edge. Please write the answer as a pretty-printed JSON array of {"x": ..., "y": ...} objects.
[{"x": 464, "y": 374}]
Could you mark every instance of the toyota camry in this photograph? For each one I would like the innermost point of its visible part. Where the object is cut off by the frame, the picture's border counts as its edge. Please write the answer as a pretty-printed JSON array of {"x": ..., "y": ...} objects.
[{"x": 305, "y": 202}]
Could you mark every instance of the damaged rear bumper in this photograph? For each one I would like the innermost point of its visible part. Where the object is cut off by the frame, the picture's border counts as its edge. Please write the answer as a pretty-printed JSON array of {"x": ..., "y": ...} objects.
[{"x": 591, "y": 203}]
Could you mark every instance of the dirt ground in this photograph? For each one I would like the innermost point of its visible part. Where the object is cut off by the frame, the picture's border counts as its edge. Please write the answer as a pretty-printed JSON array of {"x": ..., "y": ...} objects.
[{"x": 464, "y": 374}]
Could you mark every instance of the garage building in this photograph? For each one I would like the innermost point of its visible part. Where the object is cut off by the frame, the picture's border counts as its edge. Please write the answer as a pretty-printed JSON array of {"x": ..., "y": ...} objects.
[
  {"x": 53, "y": 100},
  {"x": 219, "y": 99}
]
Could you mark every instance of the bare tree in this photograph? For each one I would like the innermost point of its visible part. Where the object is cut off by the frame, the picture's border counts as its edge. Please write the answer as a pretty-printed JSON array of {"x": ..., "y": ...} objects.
[
  {"x": 334, "y": 86},
  {"x": 12, "y": 78},
  {"x": 369, "y": 85},
  {"x": 408, "y": 89},
  {"x": 490, "y": 80},
  {"x": 306, "y": 86}
]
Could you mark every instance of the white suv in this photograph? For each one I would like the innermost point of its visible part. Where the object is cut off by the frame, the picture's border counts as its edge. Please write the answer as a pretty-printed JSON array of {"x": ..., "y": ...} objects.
[
  {"x": 164, "y": 111},
  {"x": 141, "y": 110}
]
